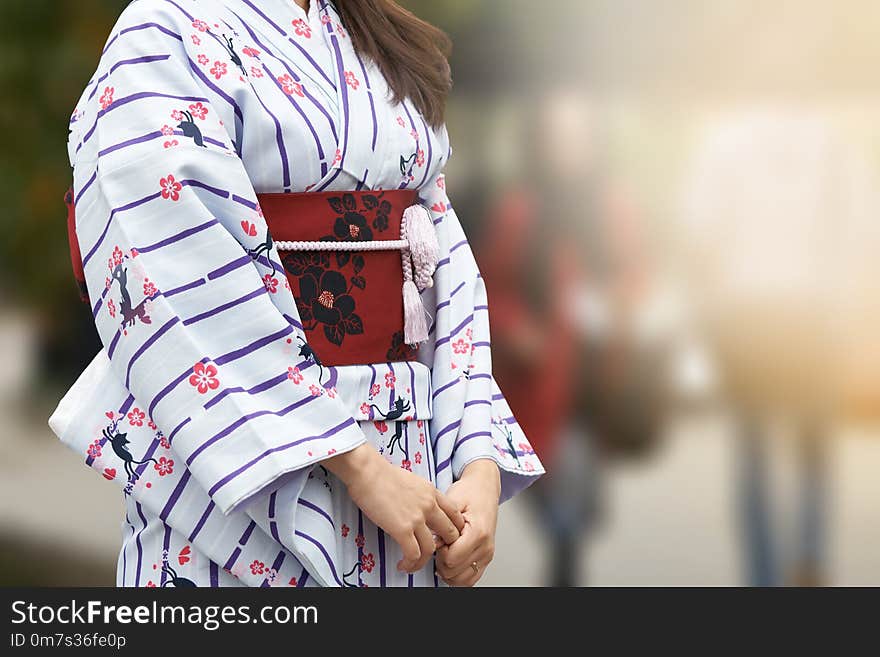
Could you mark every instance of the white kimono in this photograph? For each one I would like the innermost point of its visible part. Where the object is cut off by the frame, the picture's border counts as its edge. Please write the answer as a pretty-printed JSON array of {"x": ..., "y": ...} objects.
[{"x": 201, "y": 406}]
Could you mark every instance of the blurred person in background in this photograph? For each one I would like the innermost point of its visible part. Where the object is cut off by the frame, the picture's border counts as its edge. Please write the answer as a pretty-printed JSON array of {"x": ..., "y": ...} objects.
[
  {"x": 778, "y": 208},
  {"x": 564, "y": 268}
]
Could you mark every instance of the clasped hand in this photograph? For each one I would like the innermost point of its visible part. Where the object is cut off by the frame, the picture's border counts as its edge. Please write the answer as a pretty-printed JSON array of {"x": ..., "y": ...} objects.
[{"x": 459, "y": 525}]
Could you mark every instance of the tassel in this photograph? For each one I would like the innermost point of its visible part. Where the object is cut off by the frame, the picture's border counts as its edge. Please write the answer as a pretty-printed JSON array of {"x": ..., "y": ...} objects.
[
  {"x": 419, "y": 263},
  {"x": 424, "y": 247},
  {"x": 415, "y": 328}
]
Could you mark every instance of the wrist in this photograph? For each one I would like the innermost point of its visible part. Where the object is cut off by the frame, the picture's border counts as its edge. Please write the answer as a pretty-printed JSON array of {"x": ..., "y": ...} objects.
[
  {"x": 485, "y": 473},
  {"x": 354, "y": 464}
]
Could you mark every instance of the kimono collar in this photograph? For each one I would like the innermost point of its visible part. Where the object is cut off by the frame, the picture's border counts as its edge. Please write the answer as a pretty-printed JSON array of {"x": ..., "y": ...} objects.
[{"x": 357, "y": 148}]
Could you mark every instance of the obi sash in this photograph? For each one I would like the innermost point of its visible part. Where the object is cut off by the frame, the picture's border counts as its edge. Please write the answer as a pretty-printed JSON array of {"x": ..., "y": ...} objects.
[{"x": 344, "y": 256}]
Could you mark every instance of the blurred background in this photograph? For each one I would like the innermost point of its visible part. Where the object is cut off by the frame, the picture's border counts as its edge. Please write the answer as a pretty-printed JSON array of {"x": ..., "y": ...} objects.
[{"x": 689, "y": 190}]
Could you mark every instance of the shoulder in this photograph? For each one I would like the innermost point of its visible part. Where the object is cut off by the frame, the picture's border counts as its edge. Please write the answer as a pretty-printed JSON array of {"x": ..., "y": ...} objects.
[{"x": 169, "y": 13}]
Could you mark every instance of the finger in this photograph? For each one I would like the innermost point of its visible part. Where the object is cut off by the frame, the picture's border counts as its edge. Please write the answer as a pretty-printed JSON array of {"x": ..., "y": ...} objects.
[
  {"x": 482, "y": 557},
  {"x": 451, "y": 511},
  {"x": 460, "y": 554},
  {"x": 411, "y": 551},
  {"x": 467, "y": 578},
  {"x": 441, "y": 524},
  {"x": 426, "y": 545}
]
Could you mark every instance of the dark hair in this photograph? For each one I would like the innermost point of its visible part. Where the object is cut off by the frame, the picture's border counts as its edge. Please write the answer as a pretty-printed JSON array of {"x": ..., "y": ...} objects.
[{"x": 411, "y": 53}]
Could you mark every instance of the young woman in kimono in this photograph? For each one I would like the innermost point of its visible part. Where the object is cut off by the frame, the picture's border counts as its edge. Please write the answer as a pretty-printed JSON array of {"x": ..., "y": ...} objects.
[{"x": 244, "y": 460}]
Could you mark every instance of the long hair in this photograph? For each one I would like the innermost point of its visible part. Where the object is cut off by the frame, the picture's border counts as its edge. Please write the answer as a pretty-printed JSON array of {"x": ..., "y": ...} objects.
[{"x": 411, "y": 53}]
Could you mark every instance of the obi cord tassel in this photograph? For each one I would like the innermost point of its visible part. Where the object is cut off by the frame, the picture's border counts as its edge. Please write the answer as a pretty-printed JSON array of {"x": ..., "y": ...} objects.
[{"x": 420, "y": 258}]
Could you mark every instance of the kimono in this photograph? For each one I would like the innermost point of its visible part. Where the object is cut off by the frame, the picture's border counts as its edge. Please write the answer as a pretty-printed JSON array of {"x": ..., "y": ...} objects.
[{"x": 201, "y": 405}]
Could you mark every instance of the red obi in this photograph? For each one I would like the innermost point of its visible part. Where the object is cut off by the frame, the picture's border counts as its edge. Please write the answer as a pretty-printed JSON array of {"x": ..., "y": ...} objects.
[{"x": 350, "y": 301}]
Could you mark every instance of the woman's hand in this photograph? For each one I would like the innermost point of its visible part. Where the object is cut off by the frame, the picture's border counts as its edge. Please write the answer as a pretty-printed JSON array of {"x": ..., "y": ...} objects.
[
  {"x": 476, "y": 493},
  {"x": 408, "y": 508}
]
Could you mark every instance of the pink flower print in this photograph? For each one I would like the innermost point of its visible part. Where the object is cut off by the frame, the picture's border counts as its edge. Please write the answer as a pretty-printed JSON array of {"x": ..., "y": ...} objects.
[
  {"x": 439, "y": 207},
  {"x": 117, "y": 256},
  {"x": 150, "y": 584},
  {"x": 198, "y": 110},
  {"x": 419, "y": 424},
  {"x": 368, "y": 562},
  {"x": 258, "y": 567},
  {"x": 390, "y": 379},
  {"x": 204, "y": 377},
  {"x": 344, "y": 531},
  {"x": 441, "y": 182},
  {"x": 203, "y": 59},
  {"x": 167, "y": 130},
  {"x": 219, "y": 69},
  {"x": 107, "y": 97},
  {"x": 406, "y": 465},
  {"x": 340, "y": 30},
  {"x": 460, "y": 346},
  {"x": 256, "y": 72},
  {"x": 381, "y": 426},
  {"x": 331, "y": 392},
  {"x": 94, "y": 450},
  {"x": 302, "y": 28},
  {"x": 418, "y": 457},
  {"x": 337, "y": 158},
  {"x": 111, "y": 308},
  {"x": 164, "y": 442},
  {"x": 325, "y": 19},
  {"x": 271, "y": 283},
  {"x": 250, "y": 52},
  {"x": 469, "y": 332},
  {"x": 401, "y": 122},
  {"x": 201, "y": 26},
  {"x": 374, "y": 389},
  {"x": 292, "y": 581},
  {"x": 290, "y": 86},
  {"x": 351, "y": 80},
  {"x": 414, "y": 134},
  {"x": 177, "y": 115},
  {"x": 294, "y": 375},
  {"x": 331, "y": 452},
  {"x": 136, "y": 417},
  {"x": 365, "y": 409},
  {"x": 421, "y": 439},
  {"x": 271, "y": 574},
  {"x": 420, "y": 158},
  {"x": 529, "y": 466},
  {"x": 315, "y": 390},
  {"x": 195, "y": 39},
  {"x": 149, "y": 287},
  {"x": 107, "y": 283},
  {"x": 152, "y": 425},
  {"x": 359, "y": 541},
  {"x": 170, "y": 188},
  {"x": 164, "y": 466}
]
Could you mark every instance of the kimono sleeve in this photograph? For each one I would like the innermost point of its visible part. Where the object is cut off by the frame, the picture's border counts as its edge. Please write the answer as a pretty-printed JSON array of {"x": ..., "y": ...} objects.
[
  {"x": 472, "y": 419},
  {"x": 195, "y": 318}
]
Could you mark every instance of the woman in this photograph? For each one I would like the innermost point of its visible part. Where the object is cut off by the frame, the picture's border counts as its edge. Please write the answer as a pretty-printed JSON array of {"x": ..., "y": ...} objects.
[{"x": 245, "y": 455}]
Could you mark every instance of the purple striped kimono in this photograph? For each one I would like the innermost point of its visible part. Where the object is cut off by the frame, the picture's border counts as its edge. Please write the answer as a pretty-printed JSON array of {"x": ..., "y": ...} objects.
[{"x": 201, "y": 406}]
